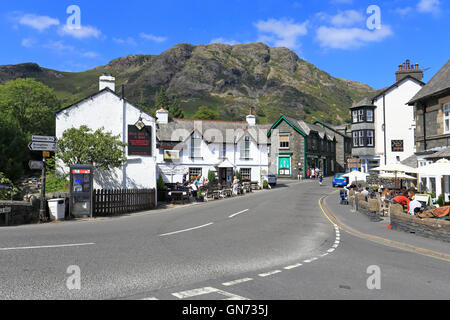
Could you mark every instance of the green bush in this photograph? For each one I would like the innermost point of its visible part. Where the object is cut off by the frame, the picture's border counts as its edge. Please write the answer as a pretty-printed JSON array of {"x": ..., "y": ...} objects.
[
  {"x": 440, "y": 200},
  {"x": 211, "y": 176},
  {"x": 160, "y": 183},
  {"x": 7, "y": 194},
  {"x": 266, "y": 184}
]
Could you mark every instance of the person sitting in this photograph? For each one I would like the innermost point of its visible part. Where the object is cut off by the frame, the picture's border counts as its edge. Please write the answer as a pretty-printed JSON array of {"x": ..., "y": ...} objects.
[
  {"x": 403, "y": 200},
  {"x": 414, "y": 204},
  {"x": 365, "y": 192}
]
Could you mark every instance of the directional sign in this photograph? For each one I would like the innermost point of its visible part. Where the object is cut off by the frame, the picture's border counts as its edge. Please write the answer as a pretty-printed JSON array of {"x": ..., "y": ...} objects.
[
  {"x": 43, "y": 139},
  {"x": 5, "y": 210},
  {"x": 42, "y": 146},
  {"x": 36, "y": 165}
]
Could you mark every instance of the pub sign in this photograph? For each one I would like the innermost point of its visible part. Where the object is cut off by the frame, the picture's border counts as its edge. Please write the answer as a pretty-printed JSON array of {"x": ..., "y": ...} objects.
[{"x": 139, "y": 141}]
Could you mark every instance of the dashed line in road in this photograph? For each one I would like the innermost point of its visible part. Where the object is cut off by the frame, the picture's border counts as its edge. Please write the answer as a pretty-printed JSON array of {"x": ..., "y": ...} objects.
[
  {"x": 293, "y": 266},
  {"x": 205, "y": 291},
  {"x": 235, "y": 282},
  {"x": 186, "y": 230},
  {"x": 268, "y": 274}
]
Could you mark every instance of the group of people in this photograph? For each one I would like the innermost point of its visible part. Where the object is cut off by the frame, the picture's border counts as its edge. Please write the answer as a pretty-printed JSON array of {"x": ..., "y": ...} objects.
[
  {"x": 315, "y": 174},
  {"x": 193, "y": 183},
  {"x": 406, "y": 197}
]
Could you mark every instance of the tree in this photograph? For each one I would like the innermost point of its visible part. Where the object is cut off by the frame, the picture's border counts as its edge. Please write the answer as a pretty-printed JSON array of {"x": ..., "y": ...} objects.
[
  {"x": 204, "y": 113},
  {"x": 162, "y": 99},
  {"x": 82, "y": 146},
  {"x": 7, "y": 194},
  {"x": 14, "y": 153},
  {"x": 32, "y": 103},
  {"x": 175, "y": 111}
]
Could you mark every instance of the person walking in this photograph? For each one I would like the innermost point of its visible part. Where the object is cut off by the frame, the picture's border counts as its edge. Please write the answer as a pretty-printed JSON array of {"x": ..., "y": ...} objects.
[
  {"x": 235, "y": 186},
  {"x": 320, "y": 178}
]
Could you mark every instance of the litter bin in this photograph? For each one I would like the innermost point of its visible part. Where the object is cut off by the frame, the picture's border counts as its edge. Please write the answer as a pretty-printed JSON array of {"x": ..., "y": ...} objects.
[{"x": 57, "y": 209}]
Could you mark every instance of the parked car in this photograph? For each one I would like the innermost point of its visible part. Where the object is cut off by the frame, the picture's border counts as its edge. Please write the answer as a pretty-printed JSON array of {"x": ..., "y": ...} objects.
[{"x": 339, "y": 180}]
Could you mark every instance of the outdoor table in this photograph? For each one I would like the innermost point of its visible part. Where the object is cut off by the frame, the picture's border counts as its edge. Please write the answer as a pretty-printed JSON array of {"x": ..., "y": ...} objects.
[
  {"x": 178, "y": 196},
  {"x": 227, "y": 192}
]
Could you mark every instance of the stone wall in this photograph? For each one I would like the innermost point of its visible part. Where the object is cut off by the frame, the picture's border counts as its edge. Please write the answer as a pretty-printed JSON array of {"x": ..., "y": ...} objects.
[
  {"x": 370, "y": 207},
  {"x": 21, "y": 213},
  {"x": 429, "y": 228}
]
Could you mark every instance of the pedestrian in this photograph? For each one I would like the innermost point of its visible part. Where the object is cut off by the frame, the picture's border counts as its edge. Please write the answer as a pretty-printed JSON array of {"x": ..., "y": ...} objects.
[
  {"x": 313, "y": 174},
  {"x": 235, "y": 186},
  {"x": 308, "y": 174},
  {"x": 317, "y": 172},
  {"x": 320, "y": 178}
]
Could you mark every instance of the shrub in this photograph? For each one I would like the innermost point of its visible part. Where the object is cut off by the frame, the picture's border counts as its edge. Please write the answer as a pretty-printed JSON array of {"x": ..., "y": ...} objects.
[
  {"x": 160, "y": 183},
  {"x": 440, "y": 200}
]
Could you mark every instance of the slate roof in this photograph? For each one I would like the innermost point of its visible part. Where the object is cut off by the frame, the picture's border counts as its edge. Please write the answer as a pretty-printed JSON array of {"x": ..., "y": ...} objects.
[
  {"x": 306, "y": 128},
  {"x": 411, "y": 161},
  {"x": 366, "y": 102},
  {"x": 444, "y": 153},
  {"x": 178, "y": 130},
  {"x": 438, "y": 84}
]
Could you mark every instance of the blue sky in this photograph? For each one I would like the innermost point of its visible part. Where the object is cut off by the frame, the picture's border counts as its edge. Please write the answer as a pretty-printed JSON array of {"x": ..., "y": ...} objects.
[{"x": 332, "y": 34}]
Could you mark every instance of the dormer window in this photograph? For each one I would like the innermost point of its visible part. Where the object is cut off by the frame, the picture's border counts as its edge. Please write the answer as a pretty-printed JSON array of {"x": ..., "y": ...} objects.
[
  {"x": 362, "y": 115},
  {"x": 369, "y": 115}
]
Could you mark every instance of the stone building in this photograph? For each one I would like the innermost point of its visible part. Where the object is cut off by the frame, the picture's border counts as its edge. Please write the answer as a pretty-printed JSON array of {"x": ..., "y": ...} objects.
[
  {"x": 343, "y": 144},
  {"x": 432, "y": 106},
  {"x": 297, "y": 146}
]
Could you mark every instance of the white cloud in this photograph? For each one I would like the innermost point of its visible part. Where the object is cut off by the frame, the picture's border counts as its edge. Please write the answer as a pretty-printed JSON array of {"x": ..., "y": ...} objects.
[
  {"x": 28, "y": 42},
  {"x": 128, "y": 41},
  {"x": 429, "y": 6},
  {"x": 343, "y": 19},
  {"x": 153, "y": 38},
  {"x": 281, "y": 33},
  {"x": 403, "y": 11},
  {"x": 40, "y": 23},
  {"x": 224, "y": 41},
  {"x": 59, "y": 46},
  {"x": 350, "y": 38},
  {"x": 90, "y": 54},
  {"x": 81, "y": 32}
]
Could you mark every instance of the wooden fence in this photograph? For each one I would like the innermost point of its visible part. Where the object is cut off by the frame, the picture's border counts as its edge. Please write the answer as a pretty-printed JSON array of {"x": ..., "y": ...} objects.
[{"x": 114, "y": 202}]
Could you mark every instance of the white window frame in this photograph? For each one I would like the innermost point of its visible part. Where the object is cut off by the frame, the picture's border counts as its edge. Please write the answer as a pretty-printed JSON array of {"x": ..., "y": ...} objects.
[
  {"x": 361, "y": 139},
  {"x": 361, "y": 115},
  {"x": 446, "y": 109},
  {"x": 196, "y": 146},
  {"x": 370, "y": 138},
  {"x": 369, "y": 119},
  {"x": 355, "y": 116},
  {"x": 245, "y": 148},
  {"x": 246, "y": 174},
  {"x": 355, "y": 139},
  {"x": 288, "y": 142}
]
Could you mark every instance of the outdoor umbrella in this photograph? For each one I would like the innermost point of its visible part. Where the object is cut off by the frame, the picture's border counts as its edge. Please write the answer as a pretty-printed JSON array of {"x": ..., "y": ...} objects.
[
  {"x": 401, "y": 176},
  {"x": 356, "y": 176},
  {"x": 395, "y": 168},
  {"x": 439, "y": 168}
]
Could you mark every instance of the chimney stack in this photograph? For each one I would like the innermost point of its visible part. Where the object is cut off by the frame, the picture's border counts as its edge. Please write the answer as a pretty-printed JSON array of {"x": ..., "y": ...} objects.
[
  {"x": 251, "y": 119},
  {"x": 162, "y": 116},
  {"x": 107, "y": 81},
  {"x": 408, "y": 69}
]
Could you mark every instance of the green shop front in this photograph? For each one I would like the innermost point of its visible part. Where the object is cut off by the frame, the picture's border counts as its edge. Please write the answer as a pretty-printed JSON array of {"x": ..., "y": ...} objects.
[{"x": 285, "y": 165}]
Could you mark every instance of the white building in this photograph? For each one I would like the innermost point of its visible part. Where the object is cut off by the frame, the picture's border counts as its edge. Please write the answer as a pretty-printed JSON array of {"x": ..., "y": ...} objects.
[
  {"x": 200, "y": 146},
  {"x": 383, "y": 126},
  {"x": 116, "y": 115}
]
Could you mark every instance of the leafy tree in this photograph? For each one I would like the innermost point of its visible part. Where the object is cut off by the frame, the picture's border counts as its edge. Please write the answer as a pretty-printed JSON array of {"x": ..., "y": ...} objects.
[
  {"x": 162, "y": 100},
  {"x": 82, "y": 146},
  {"x": 211, "y": 176},
  {"x": 7, "y": 194},
  {"x": 55, "y": 181},
  {"x": 32, "y": 103},
  {"x": 204, "y": 113},
  {"x": 161, "y": 185},
  {"x": 14, "y": 153},
  {"x": 175, "y": 111}
]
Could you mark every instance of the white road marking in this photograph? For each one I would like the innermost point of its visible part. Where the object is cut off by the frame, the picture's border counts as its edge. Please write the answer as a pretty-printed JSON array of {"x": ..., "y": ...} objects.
[
  {"x": 186, "y": 230},
  {"x": 263, "y": 275},
  {"x": 307, "y": 261},
  {"x": 150, "y": 299},
  {"x": 49, "y": 247},
  {"x": 205, "y": 291},
  {"x": 236, "y": 214},
  {"x": 331, "y": 250},
  {"x": 235, "y": 282},
  {"x": 293, "y": 266}
]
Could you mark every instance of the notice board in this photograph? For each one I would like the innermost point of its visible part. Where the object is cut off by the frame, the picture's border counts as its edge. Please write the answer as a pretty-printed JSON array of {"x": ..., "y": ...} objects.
[{"x": 139, "y": 141}]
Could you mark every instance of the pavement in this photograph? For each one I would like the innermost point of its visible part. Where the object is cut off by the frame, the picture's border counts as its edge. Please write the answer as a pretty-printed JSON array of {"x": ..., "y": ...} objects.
[{"x": 271, "y": 245}]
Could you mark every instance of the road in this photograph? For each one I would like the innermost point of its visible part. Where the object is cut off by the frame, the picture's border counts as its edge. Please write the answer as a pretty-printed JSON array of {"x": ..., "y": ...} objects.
[{"x": 270, "y": 245}]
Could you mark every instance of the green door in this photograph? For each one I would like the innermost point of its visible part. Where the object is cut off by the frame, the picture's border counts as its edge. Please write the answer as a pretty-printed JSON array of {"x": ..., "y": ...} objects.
[{"x": 284, "y": 167}]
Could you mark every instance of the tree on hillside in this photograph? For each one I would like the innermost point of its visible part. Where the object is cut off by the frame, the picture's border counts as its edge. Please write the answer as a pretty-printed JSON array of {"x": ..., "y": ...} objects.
[
  {"x": 204, "y": 113},
  {"x": 83, "y": 146},
  {"x": 162, "y": 100},
  {"x": 175, "y": 111},
  {"x": 13, "y": 148},
  {"x": 32, "y": 103}
]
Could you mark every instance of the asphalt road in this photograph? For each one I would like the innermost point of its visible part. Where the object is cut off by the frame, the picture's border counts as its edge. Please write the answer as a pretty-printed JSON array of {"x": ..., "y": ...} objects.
[{"x": 275, "y": 244}]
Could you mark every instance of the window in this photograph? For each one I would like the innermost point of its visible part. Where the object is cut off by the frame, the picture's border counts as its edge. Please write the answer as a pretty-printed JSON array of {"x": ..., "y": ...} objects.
[
  {"x": 224, "y": 150},
  {"x": 245, "y": 149},
  {"x": 361, "y": 139},
  {"x": 355, "y": 116},
  {"x": 355, "y": 139},
  {"x": 447, "y": 118},
  {"x": 369, "y": 116},
  {"x": 360, "y": 115},
  {"x": 246, "y": 174},
  {"x": 284, "y": 142},
  {"x": 370, "y": 142},
  {"x": 195, "y": 172},
  {"x": 196, "y": 147}
]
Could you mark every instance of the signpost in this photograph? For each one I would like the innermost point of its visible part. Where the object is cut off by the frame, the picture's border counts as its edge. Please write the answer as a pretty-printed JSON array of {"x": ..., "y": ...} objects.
[
  {"x": 45, "y": 144},
  {"x": 6, "y": 211}
]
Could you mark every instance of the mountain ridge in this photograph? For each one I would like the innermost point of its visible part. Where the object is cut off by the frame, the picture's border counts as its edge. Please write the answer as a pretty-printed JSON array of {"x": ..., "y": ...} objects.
[{"x": 226, "y": 78}]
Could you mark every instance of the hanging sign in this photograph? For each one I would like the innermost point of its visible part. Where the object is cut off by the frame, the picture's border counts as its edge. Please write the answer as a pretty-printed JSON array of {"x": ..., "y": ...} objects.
[{"x": 139, "y": 141}]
